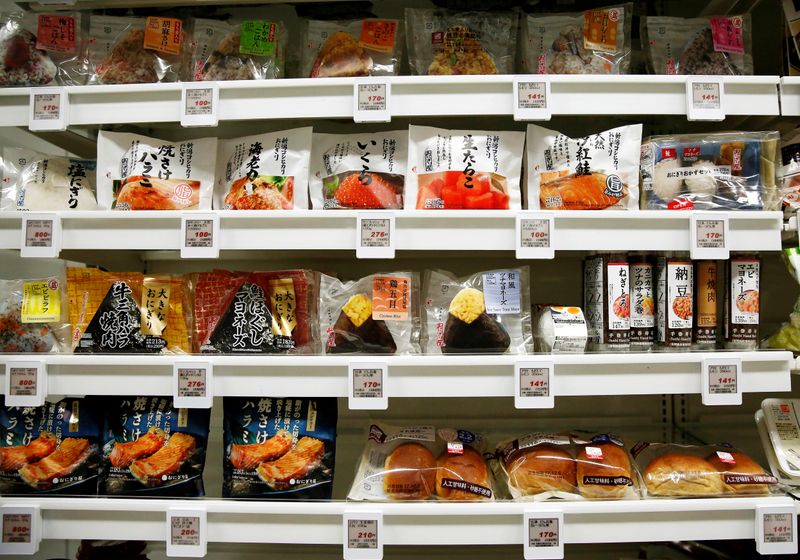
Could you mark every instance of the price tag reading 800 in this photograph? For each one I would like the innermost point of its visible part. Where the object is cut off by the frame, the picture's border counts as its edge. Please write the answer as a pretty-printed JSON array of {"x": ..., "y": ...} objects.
[
  {"x": 25, "y": 382},
  {"x": 17, "y": 528},
  {"x": 20, "y": 530},
  {"x": 363, "y": 535},
  {"x": 543, "y": 535}
]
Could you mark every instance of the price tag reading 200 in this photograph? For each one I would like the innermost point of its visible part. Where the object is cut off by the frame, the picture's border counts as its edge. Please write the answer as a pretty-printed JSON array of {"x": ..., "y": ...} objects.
[{"x": 185, "y": 531}]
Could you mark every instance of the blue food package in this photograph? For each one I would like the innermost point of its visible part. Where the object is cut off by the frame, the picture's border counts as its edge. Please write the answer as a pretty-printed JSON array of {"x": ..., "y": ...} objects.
[
  {"x": 151, "y": 448},
  {"x": 279, "y": 448}
]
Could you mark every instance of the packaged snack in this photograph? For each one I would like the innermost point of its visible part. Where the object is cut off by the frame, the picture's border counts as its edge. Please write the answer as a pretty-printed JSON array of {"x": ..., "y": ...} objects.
[
  {"x": 715, "y": 45},
  {"x": 422, "y": 463},
  {"x": 607, "y": 299},
  {"x": 723, "y": 170},
  {"x": 24, "y": 62},
  {"x": 34, "y": 181},
  {"x": 279, "y": 448},
  {"x": 33, "y": 315},
  {"x": 789, "y": 172},
  {"x": 788, "y": 335},
  {"x": 51, "y": 449},
  {"x": 264, "y": 172},
  {"x": 464, "y": 169},
  {"x": 742, "y": 301},
  {"x": 643, "y": 298},
  {"x": 341, "y": 49},
  {"x": 674, "y": 301},
  {"x": 365, "y": 171},
  {"x": 597, "y": 172},
  {"x": 151, "y": 448},
  {"x": 705, "y": 290},
  {"x": 485, "y": 313},
  {"x": 135, "y": 172},
  {"x": 441, "y": 42},
  {"x": 560, "y": 330},
  {"x": 596, "y": 41},
  {"x": 783, "y": 425},
  {"x": 129, "y": 312}
]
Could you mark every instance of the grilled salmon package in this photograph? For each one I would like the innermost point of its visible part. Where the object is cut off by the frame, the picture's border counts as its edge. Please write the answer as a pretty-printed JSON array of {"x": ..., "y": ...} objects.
[
  {"x": 34, "y": 315},
  {"x": 51, "y": 449},
  {"x": 279, "y": 448},
  {"x": 596, "y": 172},
  {"x": 135, "y": 172},
  {"x": 151, "y": 448},
  {"x": 363, "y": 171},
  {"x": 264, "y": 172},
  {"x": 464, "y": 169}
]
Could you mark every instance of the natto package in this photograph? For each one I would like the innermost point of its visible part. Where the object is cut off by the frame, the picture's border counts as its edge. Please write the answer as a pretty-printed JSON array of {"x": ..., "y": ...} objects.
[
  {"x": 34, "y": 315},
  {"x": 343, "y": 49},
  {"x": 607, "y": 299},
  {"x": 674, "y": 301}
]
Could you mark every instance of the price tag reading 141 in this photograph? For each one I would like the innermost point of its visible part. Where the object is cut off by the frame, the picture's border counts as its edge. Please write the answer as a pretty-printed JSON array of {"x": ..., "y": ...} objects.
[
  {"x": 532, "y": 99},
  {"x": 543, "y": 538},
  {"x": 709, "y": 235},
  {"x": 776, "y": 529},
  {"x": 721, "y": 383},
  {"x": 363, "y": 535},
  {"x": 534, "y": 384}
]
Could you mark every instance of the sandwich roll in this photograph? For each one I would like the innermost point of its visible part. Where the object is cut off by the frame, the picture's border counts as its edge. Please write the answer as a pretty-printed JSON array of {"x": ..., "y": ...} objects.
[
  {"x": 740, "y": 474},
  {"x": 544, "y": 468},
  {"x": 463, "y": 476},
  {"x": 410, "y": 473}
]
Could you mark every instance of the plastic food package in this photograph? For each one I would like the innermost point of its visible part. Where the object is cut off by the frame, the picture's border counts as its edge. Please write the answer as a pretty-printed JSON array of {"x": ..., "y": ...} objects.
[
  {"x": 674, "y": 301},
  {"x": 256, "y": 312},
  {"x": 701, "y": 471},
  {"x": 51, "y": 449},
  {"x": 596, "y": 172},
  {"x": 152, "y": 448},
  {"x": 485, "y": 313},
  {"x": 33, "y": 315},
  {"x": 279, "y": 448},
  {"x": 135, "y": 172},
  {"x": 789, "y": 172},
  {"x": 783, "y": 425},
  {"x": 706, "y": 297},
  {"x": 788, "y": 335},
  {"x": 442, "y": 42},
  {"x": 129, "y": 312},
  {"x": 421, "y": 463},
  {"x": 715, "y": 45},
  {"x": 742, "y": 301},
  {"x": 264, "y": 172},
  {"x": 560, "y": 330},
  {"x": 643, "y": 300},
  {"x": 592, "y": 42},
  {"x": 364, "y": 171},
  {"x": 341, "y": 49},
  {"x": 464, "y": 169},
  {"x": 716, "y": 171},
  {"x": 607, "y": 299}
]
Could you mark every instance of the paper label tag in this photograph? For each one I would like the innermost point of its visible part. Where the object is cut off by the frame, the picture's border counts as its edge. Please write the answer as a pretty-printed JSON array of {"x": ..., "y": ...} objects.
[
  {"x": 378, "y": 34},
  {"x": 726, "y": 33},
  {"x": 594, "y": 453},
  {"x": 390, "y": 298},
  {"x": 367, "y": 382},
  {"x": 192, "y": 384},
  {"x": 186, "y": 533},
  {"x": 372, "y": 100},
  {"x": 726, "y": 457},
  {"x": 600, "y": 29},
  {"x": 200, "y": 236},
  {"x": 257, "y": 38},
  {"x": 531, "y": 99},
  {"x": 542, "y": 530},
  {"x": 375, "y": 235},
  {"x": 455, "y": 448},
  {"x": 56, "y": 33},
  {"x": 776, "y": 529},
  {"x": 25, "y": 382},
  {"x": 720, "y": 381},
  {"x": 49, "y": 109},
  {"x": 363, "y": 538},
  {"x": 501, "y": 292},
  {"x": 41, "y": 301},
  {"x": 533, "y": 381},
  {"x": 200, "y": 103},
  {"x": 163, "y": 35},
  {"x": 709, "y": 236},
  {"x": 705, "y": 98}
]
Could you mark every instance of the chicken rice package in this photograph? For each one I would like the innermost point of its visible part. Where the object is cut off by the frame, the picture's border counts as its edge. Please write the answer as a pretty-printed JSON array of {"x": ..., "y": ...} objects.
[
  {"x": 442, "y": 42},
  {"x": 264, "y": 172},
  {"x": 135, "y": 172},
  {"x": 279, "y": 448},
  {"x": 151, "y": 448},
  {"x": 343, "y": 49},
  {"x": 422, "y": 463},
  {"x": 364, "y": 171},
  {"x": 592, "y": 42},
  {"x": 51, "y": 449},
  {"x": 596, "y": 172},
  {"x": 485, "y": 313},
  {"x": 34, "y": 315},
  {"x": 464, "y": 169}
]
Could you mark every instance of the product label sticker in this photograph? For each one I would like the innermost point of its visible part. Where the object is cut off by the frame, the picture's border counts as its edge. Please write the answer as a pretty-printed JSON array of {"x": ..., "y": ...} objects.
[
  {"x": 455, "y": 448},
  {"x": 726, "y": 33},
  {"x": 56, "y": 33},
  {"x": 745, "y": 294},
  {"x": 501, "y": 292},
  {"x": 378, "y": 34},
  {"x": 163, "y": 35},
  {"x": 600, "y": 29},
  {"x": 257, "y": 38},
  {"x": 283, "y": 303},
  {"x": 594, "y": 453},
  {"x": 568, "y": 322},
  {"x": 390, "y": 298},
  {"x": 643, "y": 301},
  {"x": 726, "y": 457},
  {"x": 41, "y": 301},
  {"x": 679, "y": 296},
  {"x": 155, "y": 302}
]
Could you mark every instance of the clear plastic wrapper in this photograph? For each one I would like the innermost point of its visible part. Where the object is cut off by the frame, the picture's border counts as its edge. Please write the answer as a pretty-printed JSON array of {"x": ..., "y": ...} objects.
[
  {"x": 34, "y": 315},
  {"x": 783, "y": 425},
  {"x": 341, "y": 49},
  {"x": 789, "y": 172},
  {"x": 560, "y": 330},
  {"x": 788, "y": 335}
]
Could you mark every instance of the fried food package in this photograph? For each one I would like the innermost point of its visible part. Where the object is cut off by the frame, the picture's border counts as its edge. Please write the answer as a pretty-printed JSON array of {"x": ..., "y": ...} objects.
[
  {"x": 363, "y": 171},
  {"x": 596, "y": 41},
  {"x": 596, "y": 172},
  {"x": 714, "y": 171},
  {"x": 464, "y": 169},
  {"x": 422, "y": 463},
  {"x": 135, "y": 172},
  {"x": 343, "y": 49},
  {"x": 34, "y": 315},
  {"x": 151, "y": 448},
  {"x": 279, "y": 448},
  {"x": 35, "y": 181},
  {"x": 485, "y": 313},
  {"x": 442, "y": 42},
  {"x": 51, "y": 449},
  {"x": 129, "y": 312},
  {"x": 256, "y": 312},
  {"x": 713, "y": 45},
  {"x": 700, "y": 471},
  {"x": 264, "y": 171}
]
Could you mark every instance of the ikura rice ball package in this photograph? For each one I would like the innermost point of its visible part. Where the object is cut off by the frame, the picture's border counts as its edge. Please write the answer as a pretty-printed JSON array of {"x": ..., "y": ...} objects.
[
  {"x": 34, "y": 315},
  {"x": 342, "y": 49}
]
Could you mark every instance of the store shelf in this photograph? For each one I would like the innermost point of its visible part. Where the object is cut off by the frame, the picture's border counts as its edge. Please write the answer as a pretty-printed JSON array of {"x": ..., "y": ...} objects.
[{"x": 790, "y": 96}]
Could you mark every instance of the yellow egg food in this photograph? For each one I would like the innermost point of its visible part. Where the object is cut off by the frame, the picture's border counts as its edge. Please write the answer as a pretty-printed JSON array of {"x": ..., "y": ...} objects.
[
  {"x": 468, "y": 305},
  {"x": 358, "y": 309}
]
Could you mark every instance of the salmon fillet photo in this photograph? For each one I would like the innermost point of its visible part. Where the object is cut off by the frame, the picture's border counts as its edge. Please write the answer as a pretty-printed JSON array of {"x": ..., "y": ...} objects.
[
  {"x": 248, "y": 456},
  {"x": 297, "y": 463},
  {"x": 580, "y": 192},
  {"x": 167, "y": 460},
  {"x": 61, "y": 462},
  {"x": 17, "y": 456},
  {"x": 123, "y": 454}
]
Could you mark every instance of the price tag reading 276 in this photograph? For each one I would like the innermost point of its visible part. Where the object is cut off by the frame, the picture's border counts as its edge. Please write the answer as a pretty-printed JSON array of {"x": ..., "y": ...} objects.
[
  {"x": 375, "y": 235},
  {"x": 192, "y": 384}
]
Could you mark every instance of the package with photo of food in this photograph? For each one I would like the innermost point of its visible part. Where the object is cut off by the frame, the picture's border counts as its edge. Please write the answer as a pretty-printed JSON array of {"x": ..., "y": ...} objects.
[
  {"x": 342, "y": 49},
  {"x": 742, "y": 301},
  {"x": 34, "y": 315},
  {"x": 607, "y": 299},
  {"x": 674, "y": 300}
]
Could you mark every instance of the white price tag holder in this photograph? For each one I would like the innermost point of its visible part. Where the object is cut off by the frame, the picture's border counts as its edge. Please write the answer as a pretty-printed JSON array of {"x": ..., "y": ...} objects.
[
  {"x": 776, "y": 530},
  {"x": 533, "y": 380},
  {"x": 366, "y": 382},
  {"x": 363, "y": 535},
  {"x": 532, "y": 98},
  {"x": 192, "y": 384},
  {"x": 709, "y": 235},
  {"x": 199, "y": 104},
  {"x": 41, "y": 235},
  {"x": 375, "y": 235},
  {"x": 543, "y": 532},
  {"x": 49, "y": 109},
  {"x": 199, "y": 235},
  {"x": 722, "y": 381},
  {"x": 372, "y": 100},
  {"x": 186, "y": 533},
  {"x": 21, "y": 530},
  {"x": 705, "y": 98},
  {"x": 535, "y": 232},
  {"x": 25, "y": 382}
]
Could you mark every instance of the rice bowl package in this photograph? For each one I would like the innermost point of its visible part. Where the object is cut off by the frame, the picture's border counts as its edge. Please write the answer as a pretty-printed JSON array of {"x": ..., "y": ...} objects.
[
  {"x": 33, "y": 315},
  {"x": 342, "y": 49}
]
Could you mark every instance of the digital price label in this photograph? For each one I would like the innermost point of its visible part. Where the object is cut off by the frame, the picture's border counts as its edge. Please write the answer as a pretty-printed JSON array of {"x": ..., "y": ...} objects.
[
  {"x": 367, "y": 385},
  {"x": 200, "y": 236},
  {"x": 543, "y": 532},
  {"x": 49, "y": 109},
  {"x": 776, "y": 529},
  {"x": 363, "y": 535},
  {"x": 200, "y": 102},
  {"x": 532, "y": 98},
  {"x": 41, "y": 235},
  {"x": 375, "y": 235},
  {"x": 533, "y": 382},
  {"x": 371, "y": 100},
  {"x": 721, "y": 381},
  {"x": 25, "y": 382},
  {"x": 705, "y": 98},
  {"x": 186, "y": 533},
  {"x": 21, "y": 530},
  {"x": 535, "y": 235},
  {"x": 192, "y": 384},
  {"x": 709, "y": 235}
]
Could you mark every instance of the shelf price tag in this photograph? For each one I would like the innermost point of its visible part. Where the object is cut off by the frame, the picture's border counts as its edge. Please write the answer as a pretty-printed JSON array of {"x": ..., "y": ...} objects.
[
  {"x": 49, "y": 109},
  {"x": 25, "y": 383},
  {"x": 776, "y": 530},
  {"x": 199, "y": 236},
  {"x": 705, "y": 98},
  {"x": 192, "y": 384},
  {"x": 372, "y": 100},
  {"x": 535, "y": 232},
  {"x": 375, "y": 235},
  {"x": 367, "y": 385},
  {"x": 709, "y": 233},
  {"x": 199, "y": 104},
  {"x": 534, "y": 384},
  {"x": 186, "y": 533},
  {"x": 41, "y": 235},
  {"x": 543, "y": 534},
  {"x": 532, "y": 98},
  {"x": 363, "y": 535},
  {"x": 21, "y": 530},
  {"x": 721, "y": 381}
]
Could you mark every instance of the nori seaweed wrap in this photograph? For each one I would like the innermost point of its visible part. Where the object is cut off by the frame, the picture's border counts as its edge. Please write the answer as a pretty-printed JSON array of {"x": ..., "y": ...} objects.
[
  {"x": 469, "y": 329},
  {"x": 356, "y": 331}
]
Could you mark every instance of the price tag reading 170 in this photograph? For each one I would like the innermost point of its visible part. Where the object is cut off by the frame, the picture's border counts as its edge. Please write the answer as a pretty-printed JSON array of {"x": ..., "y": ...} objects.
[
  {"x": 372, "y": 99},
  {"x": 543, "y": 538},
  {"x": 368, "y": 385},
  {"x": 46, "y": 106},
  {"x": 363, "y": 538},
  {"x": 709, "y": 235}
]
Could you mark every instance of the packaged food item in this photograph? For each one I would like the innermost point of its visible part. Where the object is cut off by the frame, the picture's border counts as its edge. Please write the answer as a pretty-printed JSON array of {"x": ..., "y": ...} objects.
[
  {"x": 560, "y": 330},
  {"x": 442, "y": 42},
  {"x": 485, "y": 313},
  {"x": 422, "y": 463},
  {"x": 643, "y": 298},
  {"x": 742, "y": 301},
  {"x": 378, "y": 314},
  {"x": 596, "y": 41},
  {"x": 789, "y": 172},
  {"x": 140, "y": 173},
  {"x": 342, "y": 49},
  {"x": 674, "y": 301},
  {"x": 783, "y": 425},
  {"x": 788, "y": 335},
  {"x": 464, "y": 169},
  {"x": 711, "y": 45},
  {"x": 279, "y": 448},
  {"x": 25, "y": 63},
  {"x": 256, "y": 312},
  {"x": 33, "y": 315},
  {"x": 723, "y": 170},
  {"x": 364, "y": 171},
  {"x": 607, "y": 299},
  {"x": 50, "y": 449},
  {"x": 129, "y": 312},
  {"x": 264, "y": 172},
  {"x": 705, "y": 290},
  {"x": 597, "y": 172}
]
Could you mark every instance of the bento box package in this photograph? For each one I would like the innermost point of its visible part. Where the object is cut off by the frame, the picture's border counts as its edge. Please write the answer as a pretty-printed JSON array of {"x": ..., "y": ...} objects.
[
  {"x": 343, "y": 49},
  {"x": 34, "y": 315}
]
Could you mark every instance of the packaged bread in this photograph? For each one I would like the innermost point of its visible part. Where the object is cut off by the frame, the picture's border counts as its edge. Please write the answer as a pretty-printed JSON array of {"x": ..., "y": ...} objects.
[{"x": 342, "y": 49}]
